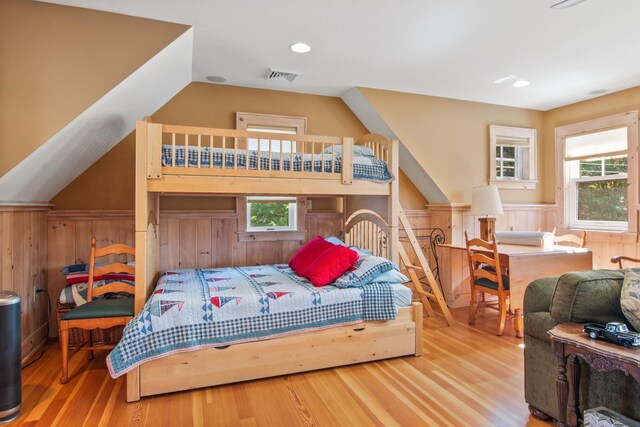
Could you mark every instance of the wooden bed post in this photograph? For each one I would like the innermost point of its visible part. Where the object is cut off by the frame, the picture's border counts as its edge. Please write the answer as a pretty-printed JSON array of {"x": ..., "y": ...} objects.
[
  {"x": 347, "y": 160},
  {"x": 147, "y": 204},
  {"x": 394, "y": 202}
]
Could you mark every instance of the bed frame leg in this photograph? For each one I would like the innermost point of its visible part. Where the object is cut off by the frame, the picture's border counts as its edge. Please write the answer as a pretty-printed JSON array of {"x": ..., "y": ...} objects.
[
  {"x": 133, "y": 385},
  {"x": 417, "y": 317}
]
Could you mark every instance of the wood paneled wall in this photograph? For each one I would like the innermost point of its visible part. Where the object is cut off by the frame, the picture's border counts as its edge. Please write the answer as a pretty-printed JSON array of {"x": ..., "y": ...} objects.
[
  {"x": 23, "y": 258},
  {"x": 208, "y": 239},
  {"x": 187, "y": 240}
]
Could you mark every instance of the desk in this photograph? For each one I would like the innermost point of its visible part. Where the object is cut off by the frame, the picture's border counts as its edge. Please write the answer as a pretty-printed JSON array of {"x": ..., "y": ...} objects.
[
  {"x": 525, "y": 264},
  {"x": 567, "y": 340}
]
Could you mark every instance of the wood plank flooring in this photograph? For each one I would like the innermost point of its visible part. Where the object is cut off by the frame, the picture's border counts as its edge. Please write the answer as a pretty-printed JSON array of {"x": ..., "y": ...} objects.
[{"x": 466, "y": 377}]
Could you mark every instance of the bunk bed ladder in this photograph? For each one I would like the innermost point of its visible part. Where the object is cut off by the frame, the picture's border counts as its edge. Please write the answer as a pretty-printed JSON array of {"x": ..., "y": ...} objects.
[{"x": 434, "y": 292}]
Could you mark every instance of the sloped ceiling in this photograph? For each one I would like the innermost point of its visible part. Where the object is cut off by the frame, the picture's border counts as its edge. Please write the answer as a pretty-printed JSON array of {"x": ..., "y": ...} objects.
[
  {"x": 93, "y": 133},
  {"x": 453, "y": 48}
]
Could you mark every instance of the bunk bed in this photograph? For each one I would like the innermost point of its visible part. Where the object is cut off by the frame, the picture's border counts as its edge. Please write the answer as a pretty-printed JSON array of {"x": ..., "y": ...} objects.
[{"x": 181, "y": 159}]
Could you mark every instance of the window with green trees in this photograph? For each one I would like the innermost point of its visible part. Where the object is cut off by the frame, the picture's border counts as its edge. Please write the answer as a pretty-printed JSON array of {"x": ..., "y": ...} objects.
[
  {"x": 596, "y": 167},
  {"x": 271, "y": 213}
]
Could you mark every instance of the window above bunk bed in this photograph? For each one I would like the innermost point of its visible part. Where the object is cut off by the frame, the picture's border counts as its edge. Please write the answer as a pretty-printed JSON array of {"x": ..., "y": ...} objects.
[
  {"x": 271, "y": 218},
  {"x": 271, "y": 213},
  {"x": 270, "y": 123}
]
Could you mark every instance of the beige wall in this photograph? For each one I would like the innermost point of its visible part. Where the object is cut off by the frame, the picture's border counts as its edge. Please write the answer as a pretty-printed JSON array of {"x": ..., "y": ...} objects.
[
  {"x": 618, "y": 102},
  {"x": 450, "y": 138},
  {"x": 108, "y": 184},
  {"x": 410, "y": 196},
  {"x": 57, "y": 60}
]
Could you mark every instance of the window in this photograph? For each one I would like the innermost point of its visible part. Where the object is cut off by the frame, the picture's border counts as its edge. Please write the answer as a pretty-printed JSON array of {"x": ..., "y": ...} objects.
[
  {"x": 286, "y": 125},
  {"x": 513, "y": 154},
  {"x": 273, "y": 144},
  {"x": 598, "y": 168},
  {"x": 271, "y": 213}
]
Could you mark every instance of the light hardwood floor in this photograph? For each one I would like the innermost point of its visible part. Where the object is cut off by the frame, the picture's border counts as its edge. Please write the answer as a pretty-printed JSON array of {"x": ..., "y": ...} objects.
[{"x": 466, "y": 377}]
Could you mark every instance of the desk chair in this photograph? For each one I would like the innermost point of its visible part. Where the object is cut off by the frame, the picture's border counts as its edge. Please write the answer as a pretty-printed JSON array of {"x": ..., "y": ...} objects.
[
  {"x": 98, "y": 313},
  {"x": 570, "y": 239},
  {"x": 486, "y": 277},
  {"x": 619, "y": 258}
]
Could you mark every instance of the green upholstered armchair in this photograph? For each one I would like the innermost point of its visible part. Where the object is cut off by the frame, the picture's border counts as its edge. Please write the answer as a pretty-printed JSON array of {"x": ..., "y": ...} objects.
[{"x": 586, "y": 296}]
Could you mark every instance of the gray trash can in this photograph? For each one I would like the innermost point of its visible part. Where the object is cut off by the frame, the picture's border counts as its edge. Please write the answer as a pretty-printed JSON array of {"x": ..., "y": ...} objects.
[{"x": 10, "y": 369}]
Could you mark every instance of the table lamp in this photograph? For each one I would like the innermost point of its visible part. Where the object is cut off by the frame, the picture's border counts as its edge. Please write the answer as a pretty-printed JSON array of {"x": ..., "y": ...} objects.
[{"x": 485, "y": 200}]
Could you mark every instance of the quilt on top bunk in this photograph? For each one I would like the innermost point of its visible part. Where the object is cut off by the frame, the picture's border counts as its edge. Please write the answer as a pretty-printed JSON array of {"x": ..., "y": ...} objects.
[
  {"x": 365, "y": 167},
  {"x": 192, "y": 309}
]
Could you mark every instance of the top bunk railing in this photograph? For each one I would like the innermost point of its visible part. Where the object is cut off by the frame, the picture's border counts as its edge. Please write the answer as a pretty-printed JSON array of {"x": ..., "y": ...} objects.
[{"x": 190, "y": 150}]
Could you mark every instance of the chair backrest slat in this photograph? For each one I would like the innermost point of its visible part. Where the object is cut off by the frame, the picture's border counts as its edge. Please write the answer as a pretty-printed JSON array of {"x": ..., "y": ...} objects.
[
  {"x": 573, "y": 240},
  {"x": 114, "y": 287},
  {"x": 115, "y": 267}
]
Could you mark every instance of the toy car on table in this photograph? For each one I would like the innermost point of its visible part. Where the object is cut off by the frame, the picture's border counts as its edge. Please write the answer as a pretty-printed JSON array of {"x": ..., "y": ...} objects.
[{"x": 614, "y": 332}]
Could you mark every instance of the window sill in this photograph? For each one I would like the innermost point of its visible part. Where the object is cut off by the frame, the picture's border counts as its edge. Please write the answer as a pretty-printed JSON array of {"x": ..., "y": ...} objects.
[
  {"x": 271, "y": 236},
  {"x": 522, "y": 184}
]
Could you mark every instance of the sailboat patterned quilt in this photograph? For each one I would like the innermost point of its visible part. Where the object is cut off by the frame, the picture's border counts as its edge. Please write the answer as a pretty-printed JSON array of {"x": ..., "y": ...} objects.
[
  {"x": 365, "y": 165},
  {"x": 193, "y": 309}
]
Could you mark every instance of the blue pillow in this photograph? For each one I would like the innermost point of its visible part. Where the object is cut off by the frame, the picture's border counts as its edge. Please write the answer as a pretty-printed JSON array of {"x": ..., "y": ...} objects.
[
  {"x": 364, "y": 271},
  {"x": 358, "y": 150},
  {"x": 337, "y": 241},
  {"x": 391, "y": 276}
]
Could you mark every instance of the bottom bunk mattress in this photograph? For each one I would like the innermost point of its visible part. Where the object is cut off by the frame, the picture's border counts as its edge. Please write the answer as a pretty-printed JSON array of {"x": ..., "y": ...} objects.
[{"x": 192, "y": 309}]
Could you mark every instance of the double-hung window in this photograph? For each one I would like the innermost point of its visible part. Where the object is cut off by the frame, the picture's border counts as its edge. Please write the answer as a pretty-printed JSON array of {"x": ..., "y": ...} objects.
[
  {"x": 512, "y": 153},
  {"x": 599, "y": 170}
]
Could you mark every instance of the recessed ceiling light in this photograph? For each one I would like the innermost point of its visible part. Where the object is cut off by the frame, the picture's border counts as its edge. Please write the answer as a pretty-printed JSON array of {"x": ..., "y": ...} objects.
[
  {"x": 300, "y": 47},
  {"x": 216, "y": 79},
  {"x": 506, "y": 78},
  {"x": 598, "y": 92},
  {"x": 565, "y": 4},
  {"x": 521, "y": 83}
]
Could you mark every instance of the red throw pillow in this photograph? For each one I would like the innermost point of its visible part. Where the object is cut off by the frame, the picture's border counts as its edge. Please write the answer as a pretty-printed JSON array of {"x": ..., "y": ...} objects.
[
  {"x": 331, "y": 264},
  {"x": 307, "y": 254}
]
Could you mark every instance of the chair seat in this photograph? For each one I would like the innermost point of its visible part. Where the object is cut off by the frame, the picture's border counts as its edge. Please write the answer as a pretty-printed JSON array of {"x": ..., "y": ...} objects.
[
  {"x": 98, "y": 308},
  {"x": 486, "y": 283}
]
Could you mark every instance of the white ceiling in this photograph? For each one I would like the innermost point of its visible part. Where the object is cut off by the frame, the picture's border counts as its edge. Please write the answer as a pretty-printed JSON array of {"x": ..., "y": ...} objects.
[{"x": 449, "y": 48}]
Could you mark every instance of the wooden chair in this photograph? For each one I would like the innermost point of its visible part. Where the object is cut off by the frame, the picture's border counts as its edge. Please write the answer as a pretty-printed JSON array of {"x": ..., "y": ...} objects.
[
  {"x": 619, "y": 258},
  {"x": 570, "y": 239},
  {"x": 98, "y": 313},
  {"x": 486, "y": 278}
]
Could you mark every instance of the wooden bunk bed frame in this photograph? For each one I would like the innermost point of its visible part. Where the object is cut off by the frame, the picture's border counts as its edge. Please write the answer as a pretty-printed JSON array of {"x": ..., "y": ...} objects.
[{"x": 338, "y": 346}]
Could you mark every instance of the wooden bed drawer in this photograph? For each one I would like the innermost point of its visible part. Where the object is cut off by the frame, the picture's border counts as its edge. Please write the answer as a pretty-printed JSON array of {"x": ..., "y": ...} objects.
[{"x": 309, "y": 351}]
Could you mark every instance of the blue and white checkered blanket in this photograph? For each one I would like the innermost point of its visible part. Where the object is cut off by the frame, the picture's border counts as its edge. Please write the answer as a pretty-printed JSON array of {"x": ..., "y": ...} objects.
[
  {"x": 366, "y": 168},
  {"x": 192, "y": 309}
]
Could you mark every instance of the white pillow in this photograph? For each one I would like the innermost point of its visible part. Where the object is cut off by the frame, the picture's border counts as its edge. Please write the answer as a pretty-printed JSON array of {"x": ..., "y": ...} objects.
[
  {"x": 358, "y": 150},
  {"x": 391, "y": 276}
]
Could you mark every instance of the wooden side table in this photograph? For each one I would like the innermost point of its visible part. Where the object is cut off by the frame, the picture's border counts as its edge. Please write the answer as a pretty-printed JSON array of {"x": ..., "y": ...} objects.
[{"x": 568, "y": 339}]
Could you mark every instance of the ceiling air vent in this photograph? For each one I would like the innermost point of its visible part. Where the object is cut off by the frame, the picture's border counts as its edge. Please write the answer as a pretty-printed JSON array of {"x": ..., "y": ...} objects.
[{"x": 281, "y": 75}]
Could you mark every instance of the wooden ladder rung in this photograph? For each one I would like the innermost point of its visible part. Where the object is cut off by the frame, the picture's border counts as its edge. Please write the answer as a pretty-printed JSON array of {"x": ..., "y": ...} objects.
[{"x": 414, "y": 267}]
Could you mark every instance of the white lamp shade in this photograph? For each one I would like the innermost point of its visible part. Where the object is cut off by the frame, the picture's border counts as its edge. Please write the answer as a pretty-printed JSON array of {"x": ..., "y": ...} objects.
[{"x": 485, "y": 200}]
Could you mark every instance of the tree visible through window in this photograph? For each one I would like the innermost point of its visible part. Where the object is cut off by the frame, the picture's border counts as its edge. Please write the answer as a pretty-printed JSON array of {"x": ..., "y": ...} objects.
[
  {"x": 602, "y": 189},
  {"x": 271, "y": 213}
]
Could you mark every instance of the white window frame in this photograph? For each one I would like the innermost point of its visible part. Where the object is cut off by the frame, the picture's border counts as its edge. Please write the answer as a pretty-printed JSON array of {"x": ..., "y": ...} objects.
[
  {"x": 566, "y": 193},
  {"x": 529, "y": 136},
  {"x": 293, "y": 213},
  {"x": 574, "y": 222}
]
